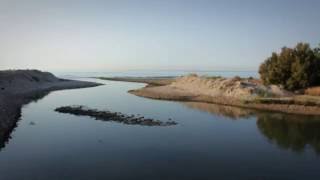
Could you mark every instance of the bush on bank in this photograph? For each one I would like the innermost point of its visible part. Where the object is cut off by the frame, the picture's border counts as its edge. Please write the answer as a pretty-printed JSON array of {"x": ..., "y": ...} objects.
[{"x": 293, "y": 68}]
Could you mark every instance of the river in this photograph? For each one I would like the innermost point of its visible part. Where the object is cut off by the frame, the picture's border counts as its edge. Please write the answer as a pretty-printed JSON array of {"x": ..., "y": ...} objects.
[{"x": 209, "y": 141}]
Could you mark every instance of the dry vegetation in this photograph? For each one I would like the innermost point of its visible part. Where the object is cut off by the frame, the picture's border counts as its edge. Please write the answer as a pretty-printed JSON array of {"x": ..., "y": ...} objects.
[{"x": 313, "y": 91}]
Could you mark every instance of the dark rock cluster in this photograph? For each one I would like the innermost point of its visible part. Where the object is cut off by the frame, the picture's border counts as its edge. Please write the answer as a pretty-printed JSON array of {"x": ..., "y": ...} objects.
[{"x": 113, "y": 116}]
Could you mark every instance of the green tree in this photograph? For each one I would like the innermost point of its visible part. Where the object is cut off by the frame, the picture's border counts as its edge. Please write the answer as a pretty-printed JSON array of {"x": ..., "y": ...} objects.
[
  {"x": 317, "y": 51},
  {"x": 295, "y": 68}
]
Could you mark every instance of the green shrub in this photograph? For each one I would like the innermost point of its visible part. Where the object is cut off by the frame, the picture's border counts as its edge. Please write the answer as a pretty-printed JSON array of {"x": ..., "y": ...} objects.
[
  {"x": 294, "y": 69},
  {"x": 317, "y": 51}
]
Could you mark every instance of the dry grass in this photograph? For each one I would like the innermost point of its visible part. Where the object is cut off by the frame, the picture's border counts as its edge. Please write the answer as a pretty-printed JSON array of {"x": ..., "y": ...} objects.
[
  {"x": 307, "y": 99},
  {"x": 313, "y": 91},
  {"x": 254, "y": 81},
  {"x": 304, "y": 100}
]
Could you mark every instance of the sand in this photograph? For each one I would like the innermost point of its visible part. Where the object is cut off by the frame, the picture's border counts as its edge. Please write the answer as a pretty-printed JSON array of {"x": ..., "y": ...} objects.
[{"x": 232, "y": 92}]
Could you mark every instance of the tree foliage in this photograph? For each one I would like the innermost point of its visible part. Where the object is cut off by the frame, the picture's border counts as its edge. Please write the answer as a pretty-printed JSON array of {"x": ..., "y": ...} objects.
[{"x": 293, "y": 68}]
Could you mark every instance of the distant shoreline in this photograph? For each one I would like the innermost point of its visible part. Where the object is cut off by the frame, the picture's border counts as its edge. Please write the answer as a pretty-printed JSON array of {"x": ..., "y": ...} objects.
[{"x": 151, "y": 81}]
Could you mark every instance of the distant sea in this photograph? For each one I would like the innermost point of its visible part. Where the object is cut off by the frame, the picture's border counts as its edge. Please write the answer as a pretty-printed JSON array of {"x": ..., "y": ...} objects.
[{"x": 155, "y": 73}]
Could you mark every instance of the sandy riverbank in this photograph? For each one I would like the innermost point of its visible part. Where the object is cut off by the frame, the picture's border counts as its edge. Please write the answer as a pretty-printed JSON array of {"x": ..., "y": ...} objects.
[
  {"x": 167, "y": 93},
  {"x": 247, "y": 93},
  {"x": 20, "y": 87}
]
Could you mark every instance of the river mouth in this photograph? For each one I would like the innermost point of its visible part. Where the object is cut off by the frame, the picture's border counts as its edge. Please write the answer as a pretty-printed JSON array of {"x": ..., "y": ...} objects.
[{"x": 209, "y": 141}]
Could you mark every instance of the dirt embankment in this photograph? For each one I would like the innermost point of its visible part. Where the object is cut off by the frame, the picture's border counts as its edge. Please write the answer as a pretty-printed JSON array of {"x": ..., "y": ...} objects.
[
  {"x": 234, "y": 92},
  {"x": 20, "y": 87}
]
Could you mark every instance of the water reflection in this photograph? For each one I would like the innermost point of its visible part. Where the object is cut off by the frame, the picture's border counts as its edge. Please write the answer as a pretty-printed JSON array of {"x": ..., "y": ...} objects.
[
  {"x": 220, "y": 110},
  {"x": 291, "y": 132},
  {"x": 11, "y": 114},
  {"x": 6, "y": 128}
]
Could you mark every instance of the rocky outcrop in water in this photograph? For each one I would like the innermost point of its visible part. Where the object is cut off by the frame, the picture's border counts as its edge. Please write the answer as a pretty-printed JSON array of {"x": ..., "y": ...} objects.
[{"x": 112, "y": 116}]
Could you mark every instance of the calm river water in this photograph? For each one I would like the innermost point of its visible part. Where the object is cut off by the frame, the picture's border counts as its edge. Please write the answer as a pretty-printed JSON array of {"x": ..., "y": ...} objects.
[{"x": 209, "y": 142}]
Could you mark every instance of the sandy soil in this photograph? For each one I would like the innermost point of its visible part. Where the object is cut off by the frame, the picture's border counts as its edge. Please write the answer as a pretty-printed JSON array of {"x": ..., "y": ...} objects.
[
  {"x": 232, "y": 92},
  {"x": 23, "y": 86}
]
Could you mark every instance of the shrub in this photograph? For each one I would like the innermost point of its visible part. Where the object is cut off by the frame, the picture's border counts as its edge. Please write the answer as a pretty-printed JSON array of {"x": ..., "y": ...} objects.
[
  {"x": 237, "y": 78},
  {"x": 294, "y": 69},
  {"x": 317, "y": 51},
  {"x": 213, "y": 77}
]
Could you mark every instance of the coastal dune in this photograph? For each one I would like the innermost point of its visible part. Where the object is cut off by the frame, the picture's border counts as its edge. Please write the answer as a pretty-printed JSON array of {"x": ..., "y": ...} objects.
[
  {"x": 193, "y": 87},
  {"x": 248, "y": 93},
  {"x": 226, "y": 87}
]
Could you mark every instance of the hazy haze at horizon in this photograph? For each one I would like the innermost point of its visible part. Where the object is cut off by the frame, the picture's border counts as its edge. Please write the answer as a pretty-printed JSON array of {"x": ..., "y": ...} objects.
[{"x": 151, "y": 35}]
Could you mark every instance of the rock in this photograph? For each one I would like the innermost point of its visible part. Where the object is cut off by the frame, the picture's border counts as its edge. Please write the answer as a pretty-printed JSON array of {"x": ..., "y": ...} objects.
[{"x": 110, "y": 116}]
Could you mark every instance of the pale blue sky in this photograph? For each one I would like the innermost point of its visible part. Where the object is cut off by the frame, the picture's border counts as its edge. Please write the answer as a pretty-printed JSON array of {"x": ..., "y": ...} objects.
[{"x": 151, "y": 34}]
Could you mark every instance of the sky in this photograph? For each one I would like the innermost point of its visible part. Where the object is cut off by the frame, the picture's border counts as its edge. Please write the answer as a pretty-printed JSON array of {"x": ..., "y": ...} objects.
[{"x": 102, "y": 35}]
